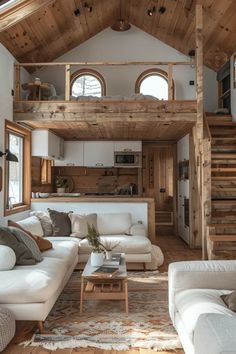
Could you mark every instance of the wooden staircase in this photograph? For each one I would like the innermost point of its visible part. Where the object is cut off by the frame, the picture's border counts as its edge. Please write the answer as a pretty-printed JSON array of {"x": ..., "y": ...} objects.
[{"x": 222, "y": 230}]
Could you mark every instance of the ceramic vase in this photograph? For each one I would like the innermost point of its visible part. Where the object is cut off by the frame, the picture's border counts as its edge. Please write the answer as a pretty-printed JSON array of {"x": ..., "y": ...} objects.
[
  {"x": 61, "y": 190},
  {"x": 97, "y": 259}
]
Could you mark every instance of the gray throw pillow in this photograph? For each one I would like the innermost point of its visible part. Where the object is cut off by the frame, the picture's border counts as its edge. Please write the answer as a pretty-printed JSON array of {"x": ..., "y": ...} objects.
[
  {"x": 230, "y": 300},
  {"x": 23, "y": 254},
  {"x": 61, "y": 224},
  {"x": 29, "y": 243}
]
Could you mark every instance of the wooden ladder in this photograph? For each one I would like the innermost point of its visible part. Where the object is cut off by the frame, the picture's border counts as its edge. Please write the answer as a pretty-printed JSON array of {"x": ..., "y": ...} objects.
[{"x": 221, "y": 239}]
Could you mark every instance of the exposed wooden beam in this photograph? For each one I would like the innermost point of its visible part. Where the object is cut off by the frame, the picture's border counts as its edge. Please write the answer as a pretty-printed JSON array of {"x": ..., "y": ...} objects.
[
  {"x": 19, "y": 11},
  {"x": 108, "y": 63}
]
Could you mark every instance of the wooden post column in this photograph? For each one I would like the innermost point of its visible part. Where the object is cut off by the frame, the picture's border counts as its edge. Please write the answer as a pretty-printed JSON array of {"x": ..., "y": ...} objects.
[
  {"x": 197, "y": 178},
  {"x": 67, "y": 82}
]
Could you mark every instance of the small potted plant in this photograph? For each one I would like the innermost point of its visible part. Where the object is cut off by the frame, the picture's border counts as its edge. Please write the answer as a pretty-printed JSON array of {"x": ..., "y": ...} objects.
[
  {"x": 61, "y": 184},
  {"x": 97, "y": 255}
]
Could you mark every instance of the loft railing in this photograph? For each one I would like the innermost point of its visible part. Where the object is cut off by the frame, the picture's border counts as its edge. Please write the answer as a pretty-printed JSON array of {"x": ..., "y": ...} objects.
[{"x": 67, "y": 71}]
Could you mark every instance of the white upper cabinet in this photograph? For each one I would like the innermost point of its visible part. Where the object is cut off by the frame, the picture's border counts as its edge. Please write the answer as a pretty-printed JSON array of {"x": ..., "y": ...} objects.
[
  {"x": 46, "y": 144},
  {"x": 98, "y": 153},
  {"x": 127, "y": 145},
  {"x": 73, "y": 154}
]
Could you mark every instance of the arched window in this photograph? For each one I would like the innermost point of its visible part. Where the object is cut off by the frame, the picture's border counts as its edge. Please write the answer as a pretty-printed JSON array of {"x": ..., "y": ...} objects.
[
  {"x": 153, "y": 82},
  {"x": 87, "y": 82}
]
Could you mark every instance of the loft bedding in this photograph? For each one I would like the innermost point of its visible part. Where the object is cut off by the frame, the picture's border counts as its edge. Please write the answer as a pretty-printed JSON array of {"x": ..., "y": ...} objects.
[{"x": 135, "y": 97}]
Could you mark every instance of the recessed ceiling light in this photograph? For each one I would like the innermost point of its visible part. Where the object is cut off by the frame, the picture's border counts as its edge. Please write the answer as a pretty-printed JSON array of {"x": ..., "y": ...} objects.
[
  {"x": 77, "y": 12},
  {"x": 150, "y": 12},
  {"x": 162, "y": 10}
]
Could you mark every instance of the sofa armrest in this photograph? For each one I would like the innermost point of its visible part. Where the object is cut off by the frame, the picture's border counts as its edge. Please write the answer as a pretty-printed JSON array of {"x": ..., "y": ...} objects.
[
  {"x": 199, "y": 275},
  {"x": 138, "y": 230}
]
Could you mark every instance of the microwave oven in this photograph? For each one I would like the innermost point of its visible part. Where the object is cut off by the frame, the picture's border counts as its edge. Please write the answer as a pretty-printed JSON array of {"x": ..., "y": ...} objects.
[{"x": 127, "y": 159}]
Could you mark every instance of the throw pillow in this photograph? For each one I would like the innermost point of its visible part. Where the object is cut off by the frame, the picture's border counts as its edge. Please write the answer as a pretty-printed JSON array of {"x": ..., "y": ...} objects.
[
  {"x": 61, "y": 224},
  {"x": 32, "y": 224},
  {"x": 79, "y": 224},
  {"x": 45, "y": 221},
  {"x": 23, "y": 254},
  {"x": 28, "y": 241},
  {"x": 42, "y": 243},
  {"x": 230, "y": 300},
  {"x": 7, "y": 258}
]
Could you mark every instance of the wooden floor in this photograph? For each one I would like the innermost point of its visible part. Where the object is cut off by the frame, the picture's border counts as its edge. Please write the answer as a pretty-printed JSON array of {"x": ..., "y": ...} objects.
[{"x": 174, "y": 249}]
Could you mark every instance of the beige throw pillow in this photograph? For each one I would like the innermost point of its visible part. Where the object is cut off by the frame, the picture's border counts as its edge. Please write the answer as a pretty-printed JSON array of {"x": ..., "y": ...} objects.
[{"x": 79, "y": 224}]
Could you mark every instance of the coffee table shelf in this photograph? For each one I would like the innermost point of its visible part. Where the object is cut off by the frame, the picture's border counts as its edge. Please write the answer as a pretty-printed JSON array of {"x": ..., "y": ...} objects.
[{"x": 103, "y": 288}]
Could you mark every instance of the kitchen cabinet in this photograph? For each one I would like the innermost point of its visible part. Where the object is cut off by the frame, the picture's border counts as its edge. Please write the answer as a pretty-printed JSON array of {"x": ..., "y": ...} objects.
[
  {"x": 98, "y": 153},
  {"x": 127, "y": 145},
  {"x": 46, "y": 144},
  {"x": 73, "y": 154}
]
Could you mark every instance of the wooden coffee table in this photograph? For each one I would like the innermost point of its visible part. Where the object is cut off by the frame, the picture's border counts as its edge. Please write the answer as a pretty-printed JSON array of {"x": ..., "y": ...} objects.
[{"x": 100, "y": 288}]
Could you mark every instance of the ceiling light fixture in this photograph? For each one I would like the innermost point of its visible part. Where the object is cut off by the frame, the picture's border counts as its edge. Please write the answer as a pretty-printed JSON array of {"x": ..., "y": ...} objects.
[
  {"x": 87, "y": 7},
  {"x": 9, "y": 156},
  {"x": 162, "y": 10},
  {"x": 121, "y": 25},
  {"x": 150, "y": 12},
  {"x": 77, "y": 12}
]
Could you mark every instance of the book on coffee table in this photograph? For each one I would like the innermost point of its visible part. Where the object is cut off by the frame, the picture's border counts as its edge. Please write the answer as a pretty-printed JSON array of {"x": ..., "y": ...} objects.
[
  {"x": 106, "y": 272},
  {"x": 115, "y": 260}
]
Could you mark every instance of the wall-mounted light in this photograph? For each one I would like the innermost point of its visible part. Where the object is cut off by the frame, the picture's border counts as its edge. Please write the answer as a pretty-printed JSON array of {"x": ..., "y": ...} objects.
[
  {"x": 77, "y": 12},
  {"x": 191, "y": 53},
  {"x": 87, "y": 7},
  {"x": 151, "y": 11},
  {"x": 9, "y": 156}
]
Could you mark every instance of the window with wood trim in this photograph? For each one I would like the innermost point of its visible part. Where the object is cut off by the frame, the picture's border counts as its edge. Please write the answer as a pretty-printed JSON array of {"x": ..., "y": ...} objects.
[
  {"x": 6, "y": 3},
  {"x": 154, "y": 82},
  {"x": 87, "y": 82},
  {"x": 17, "y": 174}
]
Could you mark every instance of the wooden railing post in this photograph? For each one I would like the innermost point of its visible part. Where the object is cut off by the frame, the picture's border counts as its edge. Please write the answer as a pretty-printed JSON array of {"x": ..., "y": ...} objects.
[
  {"x": 67, "y": 82},
  {"x": 170, "y": 82},
  {"x": 17, "y": 79}
]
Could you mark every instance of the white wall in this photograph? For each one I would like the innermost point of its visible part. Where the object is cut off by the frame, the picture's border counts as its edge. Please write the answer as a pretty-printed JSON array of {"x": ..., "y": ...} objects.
[
  {"x": 233, "y": 90},
  {"x": 133, "y": 45},
  {"x": 6, "y": 107}
]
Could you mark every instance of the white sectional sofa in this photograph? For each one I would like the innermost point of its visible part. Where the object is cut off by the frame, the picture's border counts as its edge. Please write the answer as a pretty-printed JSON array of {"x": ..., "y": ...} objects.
[
  {"x": 203, "y": 321},
  {"x": 31, "y": 291}
]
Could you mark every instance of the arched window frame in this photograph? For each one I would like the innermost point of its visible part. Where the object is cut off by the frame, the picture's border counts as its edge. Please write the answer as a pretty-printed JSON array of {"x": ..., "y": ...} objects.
[
  {"x": 151, "y": 72},
  {"x": 91, "y": 72}
]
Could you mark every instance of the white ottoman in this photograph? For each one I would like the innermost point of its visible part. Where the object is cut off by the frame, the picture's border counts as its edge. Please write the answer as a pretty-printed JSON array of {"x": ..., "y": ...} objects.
[
  {"x": 7, "y": 327},
  {"x": 215, "y": 334}
]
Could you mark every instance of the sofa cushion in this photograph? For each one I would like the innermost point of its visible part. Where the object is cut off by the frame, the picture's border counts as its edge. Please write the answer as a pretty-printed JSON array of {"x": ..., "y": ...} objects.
[
  {"x": 32, "y": 224},
  {"x": 23, "y": 254},
  {"x": 35, "y": 283},
  {"x": 45, "y": 221},
  {"x": 42, "y": 243},
  {"x": 7, "y": 258},
  {"x": 216, "y": 333},
  {"x": 123, "y": 243},
  {"x": 66, "y": 250},
  {"x": 192, "y": 303},
  {"x": 29, "y": 242},
  {"x": 230, "y": 300},
  {"x": 61, "y": 224},
  {"x": 113, "y": 224},
  {"x": 79, "y": 224}
]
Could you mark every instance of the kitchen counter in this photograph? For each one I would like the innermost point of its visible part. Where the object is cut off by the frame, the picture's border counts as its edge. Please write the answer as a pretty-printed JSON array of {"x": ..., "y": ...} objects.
[{"x": 88, "y": 204}]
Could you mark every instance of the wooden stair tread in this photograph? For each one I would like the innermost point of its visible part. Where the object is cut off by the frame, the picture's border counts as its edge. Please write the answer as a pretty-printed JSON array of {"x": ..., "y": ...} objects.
[
  {"x": 223, "y": 155},
  {"x": 222, "y": 238},
  {"x": 223, "y": 169},
  {"x": 222, "y": 225},
  {"x": 223, "y": 178}
]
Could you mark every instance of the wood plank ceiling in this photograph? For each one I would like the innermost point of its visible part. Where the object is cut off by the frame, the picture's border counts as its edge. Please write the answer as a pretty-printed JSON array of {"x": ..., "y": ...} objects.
[{"x": 54, "y": 29}]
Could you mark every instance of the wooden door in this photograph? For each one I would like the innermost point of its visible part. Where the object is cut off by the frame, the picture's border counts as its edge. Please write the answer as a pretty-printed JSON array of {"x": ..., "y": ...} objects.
[{"x": 158, "y": 183}]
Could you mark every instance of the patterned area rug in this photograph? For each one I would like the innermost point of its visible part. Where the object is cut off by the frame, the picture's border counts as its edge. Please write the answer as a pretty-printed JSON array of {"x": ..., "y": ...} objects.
[{"x": 105, "y": 325}]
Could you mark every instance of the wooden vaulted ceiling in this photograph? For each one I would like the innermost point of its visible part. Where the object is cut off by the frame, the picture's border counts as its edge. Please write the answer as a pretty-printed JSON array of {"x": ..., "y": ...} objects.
[{"x": 47, "y": 29}]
